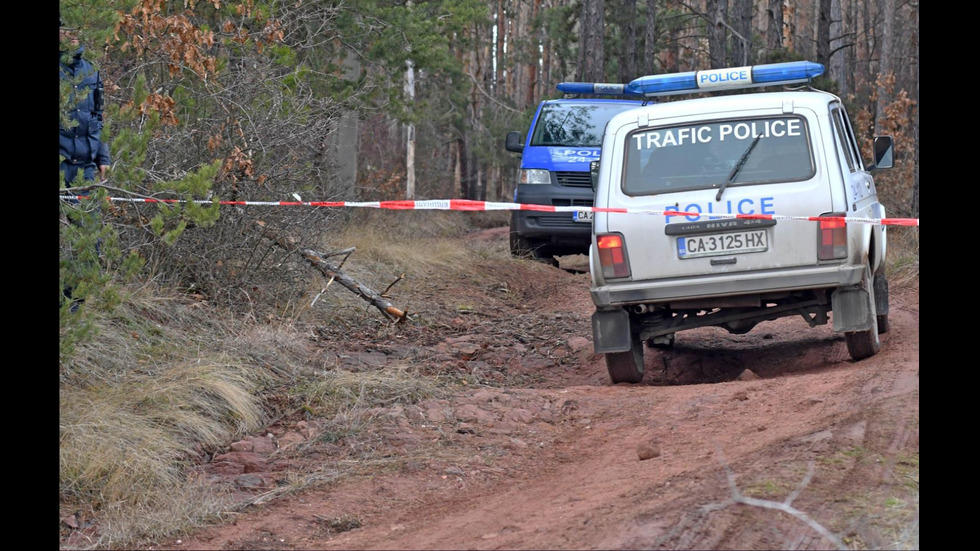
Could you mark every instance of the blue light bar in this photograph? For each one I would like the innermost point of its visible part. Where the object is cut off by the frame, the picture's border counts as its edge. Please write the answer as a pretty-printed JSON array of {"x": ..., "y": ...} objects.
[
  {"x": 596, "y": 88},
  {"x": 730, "y": 78}
]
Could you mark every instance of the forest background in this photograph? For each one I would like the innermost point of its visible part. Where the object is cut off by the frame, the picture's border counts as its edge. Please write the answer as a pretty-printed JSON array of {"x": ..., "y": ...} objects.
[{"x": 258, "y": 100}]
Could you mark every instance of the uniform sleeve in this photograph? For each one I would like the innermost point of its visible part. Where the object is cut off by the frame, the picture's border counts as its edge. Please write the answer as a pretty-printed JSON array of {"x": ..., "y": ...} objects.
[{"x": 102, "y": 157}]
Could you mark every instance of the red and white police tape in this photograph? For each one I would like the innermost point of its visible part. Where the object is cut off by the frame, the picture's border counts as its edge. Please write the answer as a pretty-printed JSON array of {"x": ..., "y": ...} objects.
[{"x": 471, "y": 205}]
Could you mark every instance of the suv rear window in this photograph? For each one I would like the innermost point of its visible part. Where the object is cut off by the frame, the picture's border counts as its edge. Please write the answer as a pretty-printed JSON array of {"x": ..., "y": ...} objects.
[
  {"x": 707, "y": 155},
  {"x": 573, "y": 125}
]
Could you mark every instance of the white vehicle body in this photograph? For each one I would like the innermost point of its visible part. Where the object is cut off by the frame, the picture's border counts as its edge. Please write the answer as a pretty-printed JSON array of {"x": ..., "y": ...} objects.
[{"x": 733, "y": 167}]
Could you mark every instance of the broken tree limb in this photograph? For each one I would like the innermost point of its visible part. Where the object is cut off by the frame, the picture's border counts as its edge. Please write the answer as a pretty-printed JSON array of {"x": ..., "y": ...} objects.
[
  {"x": 317, "y": 259},
  {"x": 332, "y": 272}
]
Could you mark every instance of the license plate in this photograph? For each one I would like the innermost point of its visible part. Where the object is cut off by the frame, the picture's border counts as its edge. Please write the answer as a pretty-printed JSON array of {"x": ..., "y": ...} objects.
[
  {"x": 582, "y": 216},
  {"x": 722, "y": 243}
]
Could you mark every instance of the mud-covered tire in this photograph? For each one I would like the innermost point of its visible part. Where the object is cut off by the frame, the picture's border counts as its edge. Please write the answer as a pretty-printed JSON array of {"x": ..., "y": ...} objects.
[
  {"x": 626, "y": 367},
  {"x": 864, "y": 344},
  {"x": 881, "y": 295}
]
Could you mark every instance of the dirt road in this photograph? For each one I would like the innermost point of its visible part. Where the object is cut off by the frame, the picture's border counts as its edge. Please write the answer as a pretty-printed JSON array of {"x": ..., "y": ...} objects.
[{"x": 771, "y": 440}]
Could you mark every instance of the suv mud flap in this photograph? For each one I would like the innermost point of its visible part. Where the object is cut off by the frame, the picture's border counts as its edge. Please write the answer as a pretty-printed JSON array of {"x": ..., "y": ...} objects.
[
  {"x": 851, "y": 309},
  {"x": 611, "y": 331}
]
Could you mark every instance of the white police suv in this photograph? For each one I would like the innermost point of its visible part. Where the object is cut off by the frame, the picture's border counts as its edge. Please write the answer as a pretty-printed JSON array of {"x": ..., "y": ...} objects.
[{"x": 730, "y": 210}]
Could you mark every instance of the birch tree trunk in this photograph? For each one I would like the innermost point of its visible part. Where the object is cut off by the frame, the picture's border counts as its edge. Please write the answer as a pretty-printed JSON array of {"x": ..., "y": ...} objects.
[
  {"x": 410, "y": 133},
  {"x": 499, "y": 49}
]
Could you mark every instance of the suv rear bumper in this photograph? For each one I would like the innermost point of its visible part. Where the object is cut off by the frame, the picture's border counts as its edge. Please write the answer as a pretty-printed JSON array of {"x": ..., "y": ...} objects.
[{"x": 724, "y": 285}]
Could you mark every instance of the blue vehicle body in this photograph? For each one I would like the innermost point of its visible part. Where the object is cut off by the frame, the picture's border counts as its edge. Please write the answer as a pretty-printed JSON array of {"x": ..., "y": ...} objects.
[{"x": 564, "y": 137}]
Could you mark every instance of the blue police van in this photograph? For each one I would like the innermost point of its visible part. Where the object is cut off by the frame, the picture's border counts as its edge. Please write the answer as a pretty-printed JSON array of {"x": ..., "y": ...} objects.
[{"x": 564, "y": 137}]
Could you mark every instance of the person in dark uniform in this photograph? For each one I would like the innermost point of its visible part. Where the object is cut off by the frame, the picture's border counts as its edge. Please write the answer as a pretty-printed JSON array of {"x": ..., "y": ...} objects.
[{"x": 83, "y": 153}]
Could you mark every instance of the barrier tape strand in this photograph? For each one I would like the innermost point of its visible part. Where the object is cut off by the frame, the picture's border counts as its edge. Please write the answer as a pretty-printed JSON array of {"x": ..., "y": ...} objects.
[{"x": 473, "y": 205}]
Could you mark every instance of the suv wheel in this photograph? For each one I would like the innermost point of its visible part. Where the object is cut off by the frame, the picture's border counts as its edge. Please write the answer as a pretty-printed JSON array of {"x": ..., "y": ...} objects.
[
  {"x": 881, "y": 296},
  {"x": 626, "y": 367},
  {"x": 864, "y": 344}
]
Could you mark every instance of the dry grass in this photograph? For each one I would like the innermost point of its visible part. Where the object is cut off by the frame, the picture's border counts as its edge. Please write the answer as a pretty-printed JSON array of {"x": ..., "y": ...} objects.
[
  {"x": 903, "y": 254},
  {"x": 417, "y": 243},
  {"x": 169, "y": 376}
]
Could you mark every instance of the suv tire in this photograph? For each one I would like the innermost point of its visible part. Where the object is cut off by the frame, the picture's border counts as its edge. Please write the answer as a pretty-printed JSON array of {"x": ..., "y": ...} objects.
[
  {"x": 626, "y": 367},
  {"x": 864, "y": 344},
  {"x": 881, "y": 288}
]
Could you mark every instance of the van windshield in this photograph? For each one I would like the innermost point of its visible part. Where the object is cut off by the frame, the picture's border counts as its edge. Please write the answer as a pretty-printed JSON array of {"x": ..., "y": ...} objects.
[
  {"x": 717, "y": 155},
  {"x": 575, "y": 125}
]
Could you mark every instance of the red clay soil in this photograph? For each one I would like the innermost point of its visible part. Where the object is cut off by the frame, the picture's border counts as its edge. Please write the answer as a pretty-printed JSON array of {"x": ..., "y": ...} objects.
[{"x": 774, "y": 439}]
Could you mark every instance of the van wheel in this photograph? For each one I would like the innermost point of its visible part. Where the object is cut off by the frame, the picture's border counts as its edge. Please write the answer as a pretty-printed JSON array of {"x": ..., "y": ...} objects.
[
  {"x": 864, "y": 344},
  {"x": 626, "y": 367}
]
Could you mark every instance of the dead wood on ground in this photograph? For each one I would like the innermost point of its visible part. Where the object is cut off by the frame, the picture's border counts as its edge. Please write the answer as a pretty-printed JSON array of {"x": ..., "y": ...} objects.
[{"x": 333, "y": 273}]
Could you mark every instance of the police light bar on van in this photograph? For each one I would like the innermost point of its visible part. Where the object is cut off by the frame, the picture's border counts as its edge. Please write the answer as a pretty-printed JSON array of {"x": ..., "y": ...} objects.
[
  {"x": 596, "y": 88},
  {"x": 731, "y": 78}
]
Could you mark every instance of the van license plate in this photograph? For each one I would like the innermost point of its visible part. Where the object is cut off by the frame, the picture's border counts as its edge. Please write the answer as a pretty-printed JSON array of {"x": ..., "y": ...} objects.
[
  {"x": 722, "y": 243},
  {"x": 582, "y": 216}
]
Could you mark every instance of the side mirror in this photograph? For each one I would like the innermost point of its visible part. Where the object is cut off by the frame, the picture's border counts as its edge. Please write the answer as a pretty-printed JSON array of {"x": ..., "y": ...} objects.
[
  {"x": 884, "y": 148},
  {"x": 513, "y": 142},
  {"x": 594, "y": 173}
]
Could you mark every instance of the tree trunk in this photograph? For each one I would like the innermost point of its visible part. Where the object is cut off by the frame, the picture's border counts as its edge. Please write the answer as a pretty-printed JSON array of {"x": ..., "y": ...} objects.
[
  {"x": 532, "y": 67},
  {"x": 774, "y": 27},
  {"x": 499, "y": 49},
  {"x": 592, "y": 53},
  {"x": 717, "y": 11},
  {"x": 837, "y": 67},
  {"x": 885, "y": 71},
  {"x": 627, "y": 66},
  {"x": 673, "y": 54},
  {"x": 409, "y": 133},
  {"x": 789, "y": 27},
  {"x": 742, "y": 37},
  {"x": 823, "y": 32},
  {"x": 914, "y": 203},
  {"x": 457, "y": 147},
  {"x": 648, "y": 65}
]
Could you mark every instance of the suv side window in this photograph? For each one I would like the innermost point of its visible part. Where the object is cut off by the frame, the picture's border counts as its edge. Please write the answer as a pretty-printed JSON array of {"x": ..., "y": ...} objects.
[{"x": 845, "y": 134}]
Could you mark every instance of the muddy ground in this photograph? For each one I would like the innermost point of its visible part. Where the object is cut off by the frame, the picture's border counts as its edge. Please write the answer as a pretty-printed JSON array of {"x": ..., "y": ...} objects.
[{"x": 774, "y": 439}]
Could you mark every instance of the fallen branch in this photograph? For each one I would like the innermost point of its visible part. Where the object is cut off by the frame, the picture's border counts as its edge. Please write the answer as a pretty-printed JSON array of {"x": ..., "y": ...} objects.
[
  {"x": 318, "y": 260},
  {"x": 784, "y": 506},
  {"x": 332, "y": 272}
]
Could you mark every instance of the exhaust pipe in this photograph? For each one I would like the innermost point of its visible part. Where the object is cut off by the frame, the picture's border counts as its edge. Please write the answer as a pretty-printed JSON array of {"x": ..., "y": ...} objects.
[{"x": 641, "y": 309}]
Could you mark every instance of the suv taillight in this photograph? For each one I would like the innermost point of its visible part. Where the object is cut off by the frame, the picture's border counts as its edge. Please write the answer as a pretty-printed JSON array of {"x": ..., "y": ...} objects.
[
  {"x": 612, "y": 255},
  {"x": 832, "y": 236}
]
